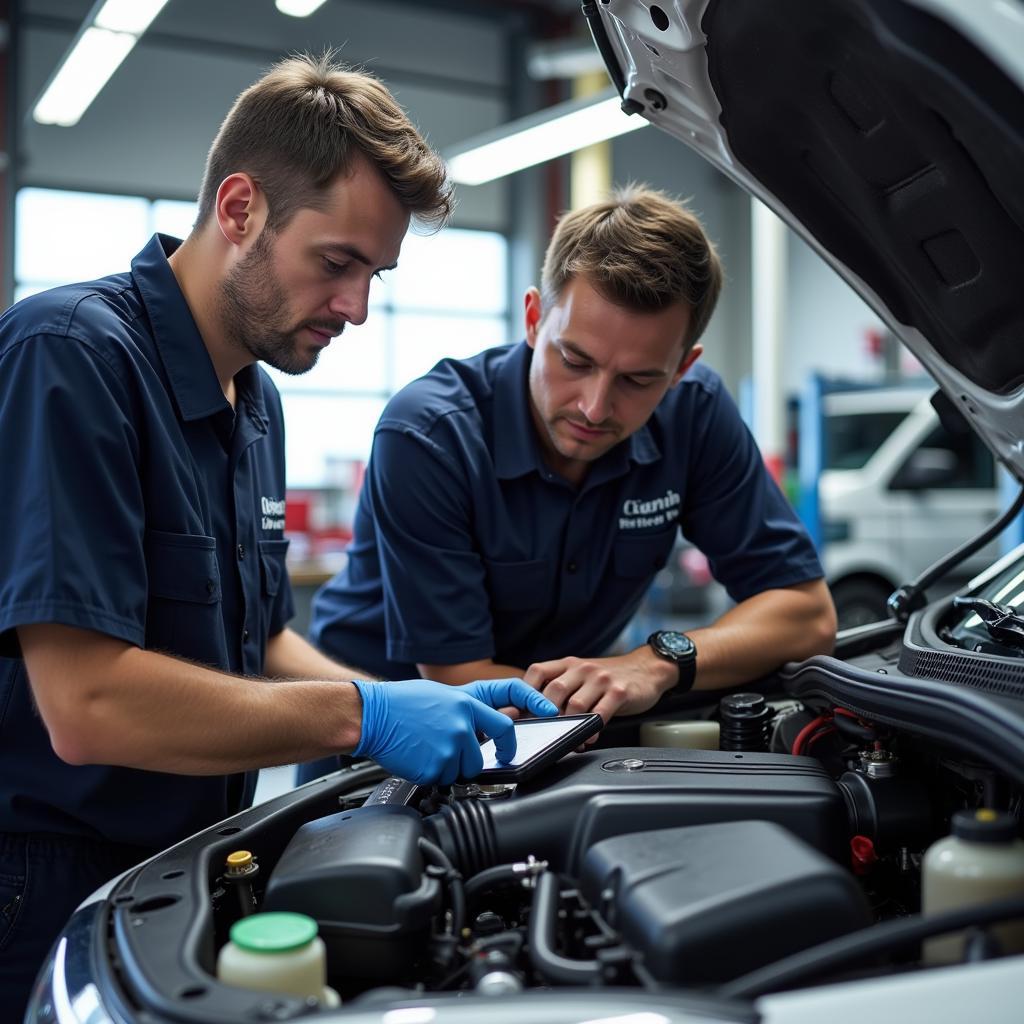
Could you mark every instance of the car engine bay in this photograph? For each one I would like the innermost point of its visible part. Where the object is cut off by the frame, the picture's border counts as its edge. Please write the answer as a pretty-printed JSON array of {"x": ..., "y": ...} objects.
[{"x": 791, "y": 855}]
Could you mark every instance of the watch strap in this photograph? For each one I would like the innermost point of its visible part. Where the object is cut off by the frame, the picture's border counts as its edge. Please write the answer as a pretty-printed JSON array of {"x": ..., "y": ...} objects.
[{"x": 686, "y": 664}]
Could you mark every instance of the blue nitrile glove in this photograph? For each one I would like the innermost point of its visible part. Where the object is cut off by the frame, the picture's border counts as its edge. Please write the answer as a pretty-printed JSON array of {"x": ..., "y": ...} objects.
[{"x": 426, "y": 732}]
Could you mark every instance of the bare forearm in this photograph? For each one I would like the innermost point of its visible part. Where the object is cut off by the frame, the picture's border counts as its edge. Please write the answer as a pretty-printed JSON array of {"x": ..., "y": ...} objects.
[
  {"x": 290, "y": 656},
  {"x": 142, "y": 709},
  {"x": 750, "y": 640},
  {"x": 469, "y": 671},
  {"x": 763, "y": 632}
]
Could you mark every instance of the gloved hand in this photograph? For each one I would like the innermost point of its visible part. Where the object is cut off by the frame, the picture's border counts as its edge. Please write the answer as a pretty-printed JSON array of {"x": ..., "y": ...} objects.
[{"x": 426, "y": 732}]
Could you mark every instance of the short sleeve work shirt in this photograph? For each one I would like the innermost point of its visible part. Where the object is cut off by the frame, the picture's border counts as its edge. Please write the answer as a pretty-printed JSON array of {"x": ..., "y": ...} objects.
[
  {"x": 467, "y": 546},
  {"x": 137, "y": 504}
]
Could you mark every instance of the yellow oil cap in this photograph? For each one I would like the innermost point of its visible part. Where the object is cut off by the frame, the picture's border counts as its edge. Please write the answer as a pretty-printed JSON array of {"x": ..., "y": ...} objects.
[{"x": 239, "y": 862}]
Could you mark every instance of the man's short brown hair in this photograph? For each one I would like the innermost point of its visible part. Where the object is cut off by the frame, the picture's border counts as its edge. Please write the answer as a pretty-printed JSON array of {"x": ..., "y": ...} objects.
[
  {"x": 301, "y": 126},
  {"x": 640, "y": 249}
]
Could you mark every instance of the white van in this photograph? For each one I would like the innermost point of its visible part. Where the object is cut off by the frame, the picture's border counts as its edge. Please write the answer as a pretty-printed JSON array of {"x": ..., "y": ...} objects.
[{"x": 897, "y": 492}]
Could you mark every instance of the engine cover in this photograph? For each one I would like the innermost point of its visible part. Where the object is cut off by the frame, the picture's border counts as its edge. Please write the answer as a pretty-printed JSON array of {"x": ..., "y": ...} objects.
[
  {"x": 711, "y": 902},
  {"x": 599, "y": 794}
]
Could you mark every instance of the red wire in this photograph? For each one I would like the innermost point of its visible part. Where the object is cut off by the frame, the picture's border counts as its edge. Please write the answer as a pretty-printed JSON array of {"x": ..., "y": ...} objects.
[
  {"x": 817, "y": 736},
  {"x": 805, "y": 732}
]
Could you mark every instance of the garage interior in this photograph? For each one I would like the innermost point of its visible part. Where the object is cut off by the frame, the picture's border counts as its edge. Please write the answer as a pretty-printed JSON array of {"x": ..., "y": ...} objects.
[
  {"x": 81, "y": 199},
  {"x": 824, "y": 801}
]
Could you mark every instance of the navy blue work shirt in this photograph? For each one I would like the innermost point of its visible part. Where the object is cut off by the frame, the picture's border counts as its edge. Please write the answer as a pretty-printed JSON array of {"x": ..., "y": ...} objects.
[
  {"x": 467, "y": 546},
  {"x": 138, "y": 504}
]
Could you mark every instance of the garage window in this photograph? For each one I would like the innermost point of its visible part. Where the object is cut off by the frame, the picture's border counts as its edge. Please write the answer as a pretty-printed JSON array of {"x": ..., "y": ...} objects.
[{"x": 448, "y": 297}]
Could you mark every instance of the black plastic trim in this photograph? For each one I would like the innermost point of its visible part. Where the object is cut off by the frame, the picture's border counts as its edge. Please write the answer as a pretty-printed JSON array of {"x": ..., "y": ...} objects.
[
  {"x": 926, "y": 655},
  {"x": 604, "y": 45},
  {"x": 978, "y": 724},
  {"x": 170, "y": 950}
]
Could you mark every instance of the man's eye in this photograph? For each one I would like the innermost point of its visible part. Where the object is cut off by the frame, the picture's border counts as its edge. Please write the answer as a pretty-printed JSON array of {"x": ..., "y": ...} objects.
[
  {"x": 638, "y": 382},
  {"x": 330, "y": 266},
  {"x": 570, "y": 365}
]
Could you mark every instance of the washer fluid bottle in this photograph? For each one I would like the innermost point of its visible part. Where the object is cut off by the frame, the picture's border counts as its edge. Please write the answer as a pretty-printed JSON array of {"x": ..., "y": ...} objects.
[
  {"x": 980, "y": 862},
  {"x": 277, "y": 952}
]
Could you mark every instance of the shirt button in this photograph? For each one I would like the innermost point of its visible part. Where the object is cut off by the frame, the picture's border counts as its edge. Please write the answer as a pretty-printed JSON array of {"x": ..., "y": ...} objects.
[
  {"x": 245, "y": 636},
  {"x": 241, "y": 552},
  {"x": 211, "y": 586},
  {"x": 571, "y": 567}
]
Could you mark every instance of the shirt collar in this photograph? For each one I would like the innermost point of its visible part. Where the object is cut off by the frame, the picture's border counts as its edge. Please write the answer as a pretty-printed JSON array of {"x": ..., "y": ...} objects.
[
  {"x": 190, "y": 371},
  {"x": 517, "y": 449}
]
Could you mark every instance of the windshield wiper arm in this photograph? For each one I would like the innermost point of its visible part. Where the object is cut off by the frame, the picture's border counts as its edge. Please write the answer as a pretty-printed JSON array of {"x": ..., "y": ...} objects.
[{"x": 1001, "y": 620}]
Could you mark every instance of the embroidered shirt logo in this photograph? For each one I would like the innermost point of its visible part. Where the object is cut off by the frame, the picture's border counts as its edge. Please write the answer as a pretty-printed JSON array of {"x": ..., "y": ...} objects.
[
  {"x": 638, "y": 513},
  {"x": 273, "y": 513}
]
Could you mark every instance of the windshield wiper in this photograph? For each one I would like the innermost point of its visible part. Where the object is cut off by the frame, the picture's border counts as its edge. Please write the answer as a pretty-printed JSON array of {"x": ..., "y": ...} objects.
[{"x": 1001, "y": 620}]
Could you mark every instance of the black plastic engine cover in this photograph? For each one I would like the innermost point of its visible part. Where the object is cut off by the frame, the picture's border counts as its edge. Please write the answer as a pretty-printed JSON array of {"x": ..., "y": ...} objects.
[
  {"x": 360, "y": 875},
  {"x": 711, "y": 902},
  {"x": 603, "y": 793}
]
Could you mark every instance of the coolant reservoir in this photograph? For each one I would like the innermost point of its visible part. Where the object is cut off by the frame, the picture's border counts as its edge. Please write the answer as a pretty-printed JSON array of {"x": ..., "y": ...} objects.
[
  {"x": 982, "y": 861},
  {"x": 277, "y": 952}
]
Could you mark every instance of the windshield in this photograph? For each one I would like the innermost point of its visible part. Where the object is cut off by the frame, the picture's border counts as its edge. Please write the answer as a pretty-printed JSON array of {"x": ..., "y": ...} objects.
[{"x": 852, "y": 438}]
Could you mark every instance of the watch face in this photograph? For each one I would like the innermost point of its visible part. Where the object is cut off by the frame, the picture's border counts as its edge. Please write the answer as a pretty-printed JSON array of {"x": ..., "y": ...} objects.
[{"x": 677, "y": 645}]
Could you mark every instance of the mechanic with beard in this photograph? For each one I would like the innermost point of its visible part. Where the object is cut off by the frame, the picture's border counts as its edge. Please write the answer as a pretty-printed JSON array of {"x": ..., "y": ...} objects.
[
  {"x": 518, "y": 504},
  {"x": 145, "y": 662}
]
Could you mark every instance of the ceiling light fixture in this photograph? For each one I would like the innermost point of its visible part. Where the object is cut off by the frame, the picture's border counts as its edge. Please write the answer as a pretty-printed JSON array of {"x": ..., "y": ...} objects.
[
  {"x": 102, "y": 43},
  {"x": 549, "y": 133},
  {"x": 298, "y": 8},
  {"x": 562, "y": 58}
]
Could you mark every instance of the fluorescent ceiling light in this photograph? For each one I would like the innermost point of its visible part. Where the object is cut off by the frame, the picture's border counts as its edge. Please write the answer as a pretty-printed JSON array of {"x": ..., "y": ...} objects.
[
  {"x": 298, "y": 8},
  {"x": 96, "y": 53},
  {"x": 540, "y": 137},
  {"x": 86, "y": 69},
  {"x": 559, "y": 59},
  {"x": 128, "y": 15}
]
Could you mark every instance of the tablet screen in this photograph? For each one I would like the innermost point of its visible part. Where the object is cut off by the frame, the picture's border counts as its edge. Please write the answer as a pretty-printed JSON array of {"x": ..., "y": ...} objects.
[{"x": 532, "y": 736}]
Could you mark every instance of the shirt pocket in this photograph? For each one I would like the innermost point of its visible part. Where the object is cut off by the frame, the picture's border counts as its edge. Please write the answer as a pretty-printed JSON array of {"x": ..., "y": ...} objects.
[
  {"x": 643, "y": 556},
  {"x": 12, "y": 898},
  {"x": 184, "y": 611},
  {"x": 517, "y": 586},
  {"x": 272, "y": 554}
]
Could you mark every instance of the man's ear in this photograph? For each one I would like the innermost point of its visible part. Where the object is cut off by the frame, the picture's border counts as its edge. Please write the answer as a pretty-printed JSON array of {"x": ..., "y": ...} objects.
[
  {"x": 241, "y": 208},
  {"x": 532, "y": 315},
  {"x": 686, "y": 362}
]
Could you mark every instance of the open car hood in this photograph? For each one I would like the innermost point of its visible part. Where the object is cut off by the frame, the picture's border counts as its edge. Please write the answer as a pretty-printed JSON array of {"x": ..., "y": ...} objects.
[{"x": 889, "y": 134}]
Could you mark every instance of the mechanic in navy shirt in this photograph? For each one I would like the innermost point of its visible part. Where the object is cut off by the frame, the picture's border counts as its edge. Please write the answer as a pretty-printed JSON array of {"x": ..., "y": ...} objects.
[
  {"x": 517, "y": 504},
  {"x": 143, "y": 591}
]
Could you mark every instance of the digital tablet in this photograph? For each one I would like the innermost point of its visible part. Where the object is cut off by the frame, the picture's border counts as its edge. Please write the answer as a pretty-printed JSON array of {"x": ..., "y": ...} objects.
[{"x": 539, "y": 743}]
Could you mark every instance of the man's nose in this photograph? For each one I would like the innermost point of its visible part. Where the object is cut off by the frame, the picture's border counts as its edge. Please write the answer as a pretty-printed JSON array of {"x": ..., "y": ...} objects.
[
  {"x": 351, "y": 303},
  {"x": 595, "y": 402}
]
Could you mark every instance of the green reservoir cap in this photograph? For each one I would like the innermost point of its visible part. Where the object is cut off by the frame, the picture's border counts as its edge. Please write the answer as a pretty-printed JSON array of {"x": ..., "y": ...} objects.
[{"x": 275, "y": 932}]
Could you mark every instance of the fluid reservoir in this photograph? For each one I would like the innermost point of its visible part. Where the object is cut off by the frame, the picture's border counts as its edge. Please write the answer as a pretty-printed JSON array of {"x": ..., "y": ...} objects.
[
  {"x": 277, "y": 952},
  {"x": 685, "y": 735},
  {"x": 980, "y": 862}
]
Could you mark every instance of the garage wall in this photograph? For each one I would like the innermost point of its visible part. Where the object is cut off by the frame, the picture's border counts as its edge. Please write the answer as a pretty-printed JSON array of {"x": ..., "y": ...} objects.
[{"x": 828, "y": 321}]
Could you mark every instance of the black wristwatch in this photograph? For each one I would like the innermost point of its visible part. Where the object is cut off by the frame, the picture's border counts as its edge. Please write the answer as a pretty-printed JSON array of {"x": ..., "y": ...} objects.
[{"x": 679, "y": 649}]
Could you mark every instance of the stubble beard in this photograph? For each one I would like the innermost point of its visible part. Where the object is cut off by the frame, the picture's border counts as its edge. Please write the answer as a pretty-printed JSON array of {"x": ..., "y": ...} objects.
[{"x": 255, "y": 312}]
